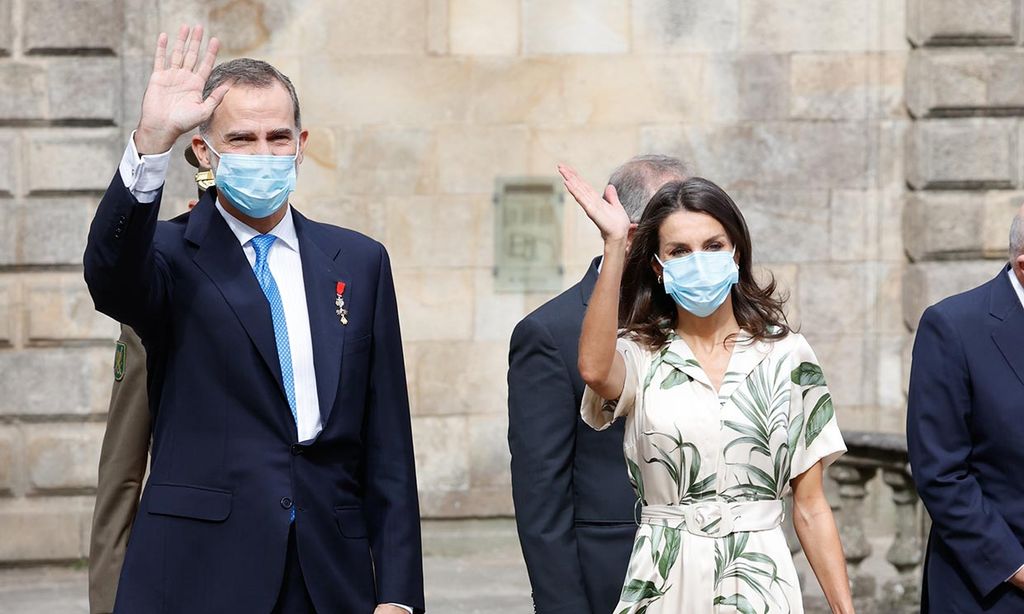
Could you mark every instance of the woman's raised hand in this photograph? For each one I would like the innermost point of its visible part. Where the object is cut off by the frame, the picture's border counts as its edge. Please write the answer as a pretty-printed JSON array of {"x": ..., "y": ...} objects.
[{"x": 606, "y": 212}]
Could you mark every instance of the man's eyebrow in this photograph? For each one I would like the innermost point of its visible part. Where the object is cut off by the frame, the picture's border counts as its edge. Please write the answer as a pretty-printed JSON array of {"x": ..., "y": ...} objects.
[{"x": 234, "y": 134}]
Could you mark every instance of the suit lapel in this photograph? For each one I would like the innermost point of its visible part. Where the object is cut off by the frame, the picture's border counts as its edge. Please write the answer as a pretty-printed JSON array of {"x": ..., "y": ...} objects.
[
  {"x": 589, "y": 281},
  {"x": 321, "y": 272},
  {"x": 1009, "y": 334},
  {"x": 1009, "y": 337},
  {"x": 220, "y": 256}
]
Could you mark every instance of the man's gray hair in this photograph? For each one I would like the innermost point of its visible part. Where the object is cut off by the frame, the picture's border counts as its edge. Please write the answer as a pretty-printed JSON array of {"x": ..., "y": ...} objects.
[
  {"x": 1017, "y": 236},
  {"x": 637, "y": 180},
  {"x": 251, "y": 73}
]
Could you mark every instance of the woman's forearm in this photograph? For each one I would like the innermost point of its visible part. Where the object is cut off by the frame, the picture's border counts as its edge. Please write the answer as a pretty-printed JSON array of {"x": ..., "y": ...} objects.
[
  {"x": 600, "y": 325},
  {"x": 816, "y": 528}
]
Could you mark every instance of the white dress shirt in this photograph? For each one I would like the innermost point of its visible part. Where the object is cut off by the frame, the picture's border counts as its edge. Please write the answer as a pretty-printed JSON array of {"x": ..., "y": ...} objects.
[
  {"x": 286, "y": 266},
  {"x": 145, "y": 175}
]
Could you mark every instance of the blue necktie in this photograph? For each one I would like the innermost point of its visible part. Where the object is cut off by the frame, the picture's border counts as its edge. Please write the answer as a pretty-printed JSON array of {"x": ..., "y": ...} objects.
[{"x": 262, "y": 243}]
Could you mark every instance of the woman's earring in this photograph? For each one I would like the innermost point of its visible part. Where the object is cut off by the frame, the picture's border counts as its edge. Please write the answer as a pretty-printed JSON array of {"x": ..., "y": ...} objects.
[{"x": 659, "y": 278}]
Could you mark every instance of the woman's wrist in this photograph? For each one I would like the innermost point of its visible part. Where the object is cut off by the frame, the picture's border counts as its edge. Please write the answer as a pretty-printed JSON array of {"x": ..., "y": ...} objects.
[
  {"x": 845, "y": 608},
  {"x": 615, "y": 245}
]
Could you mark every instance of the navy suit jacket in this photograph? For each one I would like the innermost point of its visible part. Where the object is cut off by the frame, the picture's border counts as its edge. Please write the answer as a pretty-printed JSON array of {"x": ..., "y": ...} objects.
[
  {"x": 574, "y": 504},
  {"x": 965, "y": 430},
  {"x": 212, "y": 527}
]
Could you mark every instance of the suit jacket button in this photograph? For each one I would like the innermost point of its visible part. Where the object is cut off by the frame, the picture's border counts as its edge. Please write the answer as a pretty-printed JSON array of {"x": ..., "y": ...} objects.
[
  {"x": 296, "y": 449},
  {"x": 286, "y": 503}
]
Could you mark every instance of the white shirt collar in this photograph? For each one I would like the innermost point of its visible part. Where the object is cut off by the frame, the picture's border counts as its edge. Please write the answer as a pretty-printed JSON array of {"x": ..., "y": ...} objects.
[
  {"x": 1016, "y": 286},
  {"x": 284, "y": 231}
]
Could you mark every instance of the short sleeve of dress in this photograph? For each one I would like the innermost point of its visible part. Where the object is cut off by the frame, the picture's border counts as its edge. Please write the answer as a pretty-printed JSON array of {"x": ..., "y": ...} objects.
[
  {"x": 599, "y": 413},
  {"x": 813, "y": 429}
]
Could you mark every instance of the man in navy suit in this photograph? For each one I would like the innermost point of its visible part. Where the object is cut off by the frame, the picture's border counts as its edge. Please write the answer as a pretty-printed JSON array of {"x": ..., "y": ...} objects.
[
  {"x": 574, "y": 503},
  {"x": 965, "y": 428},
  {"x": 282, "y": 475}
]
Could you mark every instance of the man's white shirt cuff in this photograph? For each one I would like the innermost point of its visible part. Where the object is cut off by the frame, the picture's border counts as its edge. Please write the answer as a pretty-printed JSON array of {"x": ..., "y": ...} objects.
[{"x": 143, "y": 175}]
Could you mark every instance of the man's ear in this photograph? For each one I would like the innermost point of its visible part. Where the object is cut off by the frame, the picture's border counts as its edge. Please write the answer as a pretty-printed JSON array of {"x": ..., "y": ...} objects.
[
  {"x": 303, "y": 138},
  {"x": 202, "y": 151},
  {"x": 630, "y": 235},
  {"x": 1020, "y": 266}
]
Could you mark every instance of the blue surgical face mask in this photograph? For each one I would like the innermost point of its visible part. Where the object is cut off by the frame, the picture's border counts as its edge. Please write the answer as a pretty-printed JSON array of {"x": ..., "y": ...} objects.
[
  {"x": 701, "y": 281},
  {"x": 257, "y": 185}
]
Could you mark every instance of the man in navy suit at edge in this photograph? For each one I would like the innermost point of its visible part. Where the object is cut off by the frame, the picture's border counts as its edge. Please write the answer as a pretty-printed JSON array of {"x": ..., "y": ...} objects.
[
  {"x": 282, "y": 475},
  {"x": 964, "y": 433},
  {"x": 574, "y": 503}
]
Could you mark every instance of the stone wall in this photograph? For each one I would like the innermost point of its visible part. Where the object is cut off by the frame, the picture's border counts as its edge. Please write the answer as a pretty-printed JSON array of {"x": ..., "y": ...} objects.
[
  {"x": 415, "y": 107},
  {"x": 965, "y": 92}
]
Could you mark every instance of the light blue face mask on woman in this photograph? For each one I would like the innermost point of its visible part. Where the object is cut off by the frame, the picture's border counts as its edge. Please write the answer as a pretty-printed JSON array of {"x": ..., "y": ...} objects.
[
  {"x": 257, "y": 185},
  {"x": 701, "y": 281}
]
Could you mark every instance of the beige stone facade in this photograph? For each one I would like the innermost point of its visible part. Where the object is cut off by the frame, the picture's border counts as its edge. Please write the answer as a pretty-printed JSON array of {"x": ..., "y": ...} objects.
[{"x": 874, "y": 146}]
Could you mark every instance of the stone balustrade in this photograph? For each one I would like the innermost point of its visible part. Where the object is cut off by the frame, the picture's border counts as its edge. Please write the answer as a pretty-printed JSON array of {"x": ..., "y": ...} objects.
[{"x": 895, "y": 590}]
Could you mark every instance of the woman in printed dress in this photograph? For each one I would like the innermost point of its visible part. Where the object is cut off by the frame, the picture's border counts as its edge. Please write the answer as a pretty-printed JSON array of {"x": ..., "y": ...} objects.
[{"x": 726, "y": 409}]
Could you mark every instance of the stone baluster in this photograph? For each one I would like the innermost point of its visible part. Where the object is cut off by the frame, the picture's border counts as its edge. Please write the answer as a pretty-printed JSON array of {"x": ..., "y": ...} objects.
[
  {"x": 852, "y": 480},
  {"x": 902, "y": 595}
]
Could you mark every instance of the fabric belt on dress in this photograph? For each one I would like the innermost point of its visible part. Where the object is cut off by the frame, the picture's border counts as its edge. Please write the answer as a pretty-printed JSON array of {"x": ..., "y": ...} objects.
[{"x": 716, "y": 518}]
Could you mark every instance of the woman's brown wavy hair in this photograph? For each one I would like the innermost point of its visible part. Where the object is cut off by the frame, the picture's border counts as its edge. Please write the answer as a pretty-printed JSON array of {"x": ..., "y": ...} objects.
[{"x": 648, "y": 312}]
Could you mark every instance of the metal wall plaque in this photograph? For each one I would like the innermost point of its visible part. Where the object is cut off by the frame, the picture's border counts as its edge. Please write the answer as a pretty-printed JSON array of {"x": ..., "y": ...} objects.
[{"x": 528, "y": 234}]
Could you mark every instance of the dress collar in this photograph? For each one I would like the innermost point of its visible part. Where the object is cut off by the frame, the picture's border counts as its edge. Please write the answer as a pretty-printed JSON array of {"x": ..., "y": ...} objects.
[{"x": 747, "y": 353}]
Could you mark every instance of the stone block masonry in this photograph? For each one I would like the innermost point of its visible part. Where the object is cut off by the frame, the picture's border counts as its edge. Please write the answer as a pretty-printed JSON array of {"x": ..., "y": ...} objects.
[
  {"x": 963, "y": 150},
  {"x": 874, "y": 146}
]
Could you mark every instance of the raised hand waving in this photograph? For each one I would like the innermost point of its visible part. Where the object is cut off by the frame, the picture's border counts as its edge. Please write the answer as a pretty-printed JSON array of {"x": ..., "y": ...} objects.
[
  {"x": 173, "y": 103},
  {"x": 606, "y": 212}
]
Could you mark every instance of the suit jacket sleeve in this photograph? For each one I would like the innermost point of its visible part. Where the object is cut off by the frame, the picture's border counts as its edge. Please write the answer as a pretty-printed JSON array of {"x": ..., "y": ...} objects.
[
  {"x": 939, "y": 442},
  {"x": 123, "y": 459},
  {"x": 392, "y": 506},
  {"x": 542, "y": 417},
  {"x": 127, "y": 277}
]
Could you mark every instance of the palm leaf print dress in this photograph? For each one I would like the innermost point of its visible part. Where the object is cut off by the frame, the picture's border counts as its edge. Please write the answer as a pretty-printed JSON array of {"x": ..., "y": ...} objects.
[{"x": 710, "y": 470}]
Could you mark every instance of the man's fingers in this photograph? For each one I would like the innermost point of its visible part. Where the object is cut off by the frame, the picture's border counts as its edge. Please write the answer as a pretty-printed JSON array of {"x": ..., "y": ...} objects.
[
  {"x": 195, "y": 43},
  {"x": 215, "y": 97},
  {"x": 209, "y": 59},
  {"x": 161, "y": 52},
  {"x": 178, "y": 53}
]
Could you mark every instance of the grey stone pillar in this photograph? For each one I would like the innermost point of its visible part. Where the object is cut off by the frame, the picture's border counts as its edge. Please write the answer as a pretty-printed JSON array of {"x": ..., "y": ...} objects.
[
  {"x": 902, "y": 595},
  {"x": 852, "y": 480}
]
